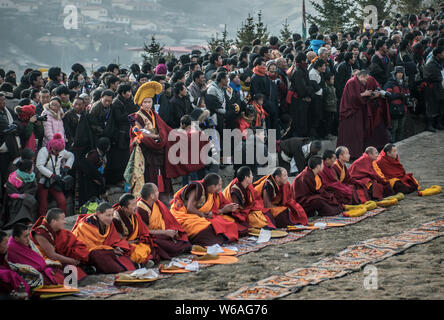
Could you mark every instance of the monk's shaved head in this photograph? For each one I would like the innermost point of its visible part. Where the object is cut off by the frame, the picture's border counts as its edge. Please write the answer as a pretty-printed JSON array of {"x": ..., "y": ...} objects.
[
  {"x": 342, "y": 154},
  {"x": 372, "y": 152},
  {"x": 53, "y": 214},
  {"x": 340, "y": 151},
  {"x": 147, "y": 190}
]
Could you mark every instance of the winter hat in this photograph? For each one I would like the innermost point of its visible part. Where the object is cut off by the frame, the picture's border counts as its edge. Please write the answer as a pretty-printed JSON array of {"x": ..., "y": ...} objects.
[
  {"x": 161, "y": 69},
  {"x": 57, "y": 143},
  {"x": 25, "y": 113},
  {"x": 397, "y": 69}
]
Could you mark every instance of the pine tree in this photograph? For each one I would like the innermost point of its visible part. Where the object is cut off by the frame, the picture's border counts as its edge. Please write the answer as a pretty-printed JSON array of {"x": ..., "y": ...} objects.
[
  {"x": 225, "y": 42},
  {"x": 261, "y": 29},
  {"x": 153, "y": 51},
  {"x": 331, "y": 15},
  {"x": 408, "y": 6},
  {"x": 285, "y": 32},
  {"x": 246, "y": 34},
  {"x": 214, "y": 42}
]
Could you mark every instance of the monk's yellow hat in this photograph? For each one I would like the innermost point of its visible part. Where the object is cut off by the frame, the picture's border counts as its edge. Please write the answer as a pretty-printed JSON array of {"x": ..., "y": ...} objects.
[{"x": 147, "y": 90}]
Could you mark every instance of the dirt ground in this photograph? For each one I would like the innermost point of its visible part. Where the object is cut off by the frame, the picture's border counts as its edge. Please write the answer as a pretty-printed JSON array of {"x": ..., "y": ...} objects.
[{"x": 415, "y": 274}]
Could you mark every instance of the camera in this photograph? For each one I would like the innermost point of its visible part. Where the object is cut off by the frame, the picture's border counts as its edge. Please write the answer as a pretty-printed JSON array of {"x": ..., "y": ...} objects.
[
  {"x": 42, "y": 118},
  {"x": 383, "y": 92}
]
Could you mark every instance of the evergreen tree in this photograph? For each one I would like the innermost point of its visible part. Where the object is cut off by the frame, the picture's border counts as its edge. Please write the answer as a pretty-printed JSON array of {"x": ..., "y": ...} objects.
[
  {"x": 225, "y": 42},
  {"x": 261, "y": 29},
  {"x": 408, "y": 6},
  {"x": 153, "y": 51},
  {"x": 331, "y": 15},
  {"x": 214, "y": 42},
  {"x": 246, "y": 34},
  {"x": 285, "y": 32}
]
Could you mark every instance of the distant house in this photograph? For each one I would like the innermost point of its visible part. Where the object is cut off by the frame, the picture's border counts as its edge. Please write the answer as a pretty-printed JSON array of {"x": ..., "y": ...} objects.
[
  {"x": 121, "y": 19},
  {"x": 94, "y": 12},
  {"x": 143, "y": 24},
  {"x": 7, "y": 4}
]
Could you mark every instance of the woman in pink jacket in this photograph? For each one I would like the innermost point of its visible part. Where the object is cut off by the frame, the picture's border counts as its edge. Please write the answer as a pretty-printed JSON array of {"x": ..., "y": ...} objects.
[{"x": 54, "y": 124}]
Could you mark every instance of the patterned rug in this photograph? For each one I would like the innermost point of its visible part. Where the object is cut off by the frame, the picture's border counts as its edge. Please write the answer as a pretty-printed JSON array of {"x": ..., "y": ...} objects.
[{"x": 351, "y": 259}]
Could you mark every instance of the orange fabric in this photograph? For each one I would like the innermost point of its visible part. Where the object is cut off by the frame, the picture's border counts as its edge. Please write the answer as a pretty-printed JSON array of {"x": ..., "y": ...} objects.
[
  {"x": 156, "y": 218},
  {"x": 191, "y": 223},
  {"x": 94, "y": 240},
  {"x": 256, "y": 218},
  {"x": 318, "y": 182},
  {"x": 342, "y": 177},
  {"x": 91, "y": 236}
]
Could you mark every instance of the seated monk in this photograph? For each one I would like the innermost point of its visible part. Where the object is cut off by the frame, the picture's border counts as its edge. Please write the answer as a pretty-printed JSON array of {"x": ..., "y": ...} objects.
[
  {"x": 58, "y": 244},
  {"x": 199, "y": 207},
  {"x": 132, "y": 229},
  {"x": 9, "y": 280},
  {"x": 276, "y": 193},
  {"x": 345, "y": 193},
  {"x": 359, "y": 192},
  {"x": 170, "y": 238},
  {"x": 24, "y": 256},
  {"x": 393, "y": 170},
  {"x": 367, "y": 173},
  {"x": 108, "y": 252},
  {"x": 251, "y": 212},
  {"x": 308, "y": 190}
]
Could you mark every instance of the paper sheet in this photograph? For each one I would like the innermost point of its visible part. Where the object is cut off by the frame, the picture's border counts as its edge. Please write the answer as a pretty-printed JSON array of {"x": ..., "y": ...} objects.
[{"x": 264, "y": 236}]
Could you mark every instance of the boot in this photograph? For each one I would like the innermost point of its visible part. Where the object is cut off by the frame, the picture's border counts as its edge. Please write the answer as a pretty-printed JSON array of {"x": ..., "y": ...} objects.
[
  {"x": 430, "y": 125},
  {"x": 438, "y": 124}
]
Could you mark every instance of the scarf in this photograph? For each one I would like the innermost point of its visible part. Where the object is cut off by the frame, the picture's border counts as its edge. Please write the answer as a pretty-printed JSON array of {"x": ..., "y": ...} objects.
[
  {"x": 235, "y": 87},
  {"x": 26, "y": 177},
  {"x": 244, "y": 87},
  {"x": 260, "y": 71}
]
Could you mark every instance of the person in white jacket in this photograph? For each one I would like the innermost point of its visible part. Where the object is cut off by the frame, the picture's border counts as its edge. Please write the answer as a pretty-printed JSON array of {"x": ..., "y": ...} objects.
[{"x": 52, "y": 162}]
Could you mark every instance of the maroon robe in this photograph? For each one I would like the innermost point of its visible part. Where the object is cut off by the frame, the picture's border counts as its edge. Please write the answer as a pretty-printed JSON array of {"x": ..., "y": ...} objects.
[
  {"x": 312, "y": 199},
  {"x": 362, "y": 121},
  {"x": 359, "y": 192},
  {"x": 363, "y": 171}
]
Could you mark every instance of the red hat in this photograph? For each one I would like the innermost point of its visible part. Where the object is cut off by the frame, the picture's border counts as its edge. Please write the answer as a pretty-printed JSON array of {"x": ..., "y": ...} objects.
[
  {"x": 25, "y": 112},
  {"x": 57, "y": 143}
]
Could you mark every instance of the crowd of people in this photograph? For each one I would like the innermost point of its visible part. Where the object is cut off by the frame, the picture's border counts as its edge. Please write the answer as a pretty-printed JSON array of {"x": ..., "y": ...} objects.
[{"x": 74, "y": 136}]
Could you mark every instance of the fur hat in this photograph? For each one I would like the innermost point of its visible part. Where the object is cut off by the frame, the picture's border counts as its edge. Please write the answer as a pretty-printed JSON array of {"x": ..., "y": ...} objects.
[
  {"x": 161, "y": 69},
  {"x": 57, "y": 143},
  {"x": 25, "y": 113},
  {"x": 147, "y": 90}
]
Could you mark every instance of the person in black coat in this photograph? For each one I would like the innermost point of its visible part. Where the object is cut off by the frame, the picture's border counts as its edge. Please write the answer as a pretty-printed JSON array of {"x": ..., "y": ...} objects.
[
  {"x": 301, "y": 94},
  {"x": 119, "y": 154},
  {"x": 380, "y": 63},
  {"x": 179, "y": 106},
  {"x": 344, "y": 73},
  {"x": 434, "y": 91}
]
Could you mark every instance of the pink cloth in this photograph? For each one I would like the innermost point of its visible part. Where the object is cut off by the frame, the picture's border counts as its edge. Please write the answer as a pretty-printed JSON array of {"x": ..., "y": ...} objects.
[
  {"x": 18, "y": 253},
  {"x": 11, "y": 278},
  {"x": 52, "y": 125}
]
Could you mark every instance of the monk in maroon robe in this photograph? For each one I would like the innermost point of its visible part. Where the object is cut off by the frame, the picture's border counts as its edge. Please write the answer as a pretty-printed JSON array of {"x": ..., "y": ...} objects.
[
  {"x": 252, "y": 212},
  {"x": 367, "y": 173},
  {"x": 363, "y": 115},
  {"x": 201, "y": 209},
  {"x": 275, "y": 190},
  {"x": 359, "y": 192},
  {"x": 393, "y": 170},
  {"x": 170, "y": 238},
  {"x": 58, "y": 244},
  {"x": 108, "y": 252},
  {"x": 308, "y": 190}
]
